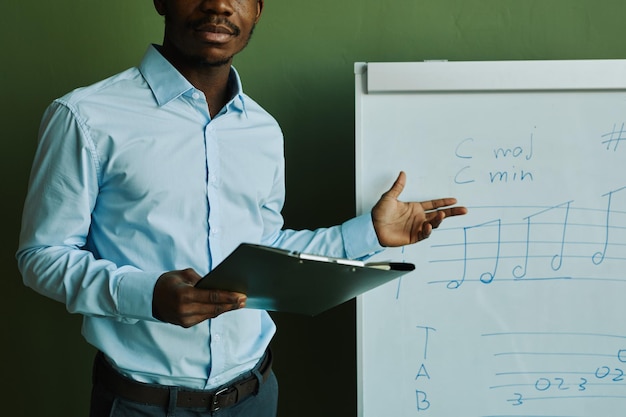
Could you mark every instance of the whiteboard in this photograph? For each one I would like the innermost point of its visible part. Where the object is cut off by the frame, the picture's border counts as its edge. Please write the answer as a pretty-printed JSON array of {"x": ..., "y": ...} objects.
[{"x": 519, "y": 307}]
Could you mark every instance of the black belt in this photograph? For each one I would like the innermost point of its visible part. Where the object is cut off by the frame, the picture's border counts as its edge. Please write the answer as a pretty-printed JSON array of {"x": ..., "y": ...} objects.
[{"x": 104, "y": 374}]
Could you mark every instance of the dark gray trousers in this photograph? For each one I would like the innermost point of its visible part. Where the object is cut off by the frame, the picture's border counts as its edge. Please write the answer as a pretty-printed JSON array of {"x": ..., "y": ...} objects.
[{"x": 263, "y": 404}]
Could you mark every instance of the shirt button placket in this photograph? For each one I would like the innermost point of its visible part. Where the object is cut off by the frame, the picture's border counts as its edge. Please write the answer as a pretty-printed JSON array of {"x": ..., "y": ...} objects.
[{"x": 212, "y": 158}]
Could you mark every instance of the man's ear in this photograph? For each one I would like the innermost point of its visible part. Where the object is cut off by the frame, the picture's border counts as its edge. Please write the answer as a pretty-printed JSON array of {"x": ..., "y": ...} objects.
[
  {"x": 259, "y": 9},
  {"x": 159, "y": 5}
]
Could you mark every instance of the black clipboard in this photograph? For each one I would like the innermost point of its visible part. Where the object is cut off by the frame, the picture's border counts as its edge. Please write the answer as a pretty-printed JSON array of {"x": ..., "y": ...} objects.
[{"x": 281, "y": 280}]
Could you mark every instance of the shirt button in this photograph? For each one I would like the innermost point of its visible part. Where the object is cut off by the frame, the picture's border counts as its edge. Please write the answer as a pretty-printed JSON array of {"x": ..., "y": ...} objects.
[
  {"x": 217, "y": 337},
  {"x": 195, "y": 96}
]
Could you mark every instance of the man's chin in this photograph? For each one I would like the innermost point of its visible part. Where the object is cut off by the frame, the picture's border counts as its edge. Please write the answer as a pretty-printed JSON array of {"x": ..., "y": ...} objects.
[
  {"x": 216, "y": 63},
  {"x": 203, "y": 61}
]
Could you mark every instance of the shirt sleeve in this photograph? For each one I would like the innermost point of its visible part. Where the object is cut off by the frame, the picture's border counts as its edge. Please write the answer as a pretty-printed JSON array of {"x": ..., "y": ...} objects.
[
  {"x": 51, "y": 256},
  {"x": 359, "y": 237}
]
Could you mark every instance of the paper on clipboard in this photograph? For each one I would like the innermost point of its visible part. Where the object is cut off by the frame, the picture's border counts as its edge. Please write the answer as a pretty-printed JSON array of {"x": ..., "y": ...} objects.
[{"x": 280, "y": 280}]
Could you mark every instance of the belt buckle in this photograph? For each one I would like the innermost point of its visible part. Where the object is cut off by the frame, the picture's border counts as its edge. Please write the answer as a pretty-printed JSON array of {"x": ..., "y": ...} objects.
[{"x": 215, "y": 401}]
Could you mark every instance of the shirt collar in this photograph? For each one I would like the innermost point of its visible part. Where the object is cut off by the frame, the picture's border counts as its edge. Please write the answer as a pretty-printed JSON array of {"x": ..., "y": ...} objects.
[{"x": 167, "y": 83}]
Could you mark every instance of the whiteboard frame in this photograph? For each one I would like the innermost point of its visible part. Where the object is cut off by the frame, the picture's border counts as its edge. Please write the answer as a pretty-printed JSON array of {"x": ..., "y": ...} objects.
[
  {"x": 444, "y": 76},
  {"x": 467, "y": 76}
]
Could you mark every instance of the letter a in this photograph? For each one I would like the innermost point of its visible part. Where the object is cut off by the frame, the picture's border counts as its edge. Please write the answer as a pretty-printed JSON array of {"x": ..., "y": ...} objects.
[{"x": 422, "y": 372}]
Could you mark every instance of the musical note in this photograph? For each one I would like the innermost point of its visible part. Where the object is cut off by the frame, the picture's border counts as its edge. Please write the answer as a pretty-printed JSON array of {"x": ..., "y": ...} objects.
[
  {"x": 598, "y": 257},
  {"x": 557, "y": 260},
  {"x": 559, "y": 257},
  {"x": 525, "y": 267},
  {"x": 488, "y": 276}
]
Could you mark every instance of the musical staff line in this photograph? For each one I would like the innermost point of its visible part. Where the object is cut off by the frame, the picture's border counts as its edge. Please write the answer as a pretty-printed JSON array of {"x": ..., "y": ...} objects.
[{"x": 537, "y": 243}]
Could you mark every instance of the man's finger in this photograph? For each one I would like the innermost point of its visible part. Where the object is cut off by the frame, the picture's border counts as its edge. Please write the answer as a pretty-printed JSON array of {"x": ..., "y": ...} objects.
[
  {"x": 397, "y": 187},
  {"x": 438, "y": 203},
  {"x": 222, "y": 297}
]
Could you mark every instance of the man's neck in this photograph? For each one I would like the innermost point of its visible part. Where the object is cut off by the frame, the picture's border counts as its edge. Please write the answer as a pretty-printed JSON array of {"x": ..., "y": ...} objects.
[{"x": 212, "y": 80}]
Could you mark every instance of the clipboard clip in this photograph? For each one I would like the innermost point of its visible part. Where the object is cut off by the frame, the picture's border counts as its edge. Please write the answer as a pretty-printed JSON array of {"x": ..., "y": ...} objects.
[{"x": 319, "y": 258}]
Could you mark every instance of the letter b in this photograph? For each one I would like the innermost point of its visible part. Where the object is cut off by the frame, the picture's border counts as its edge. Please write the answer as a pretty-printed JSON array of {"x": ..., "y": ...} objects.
[{"x": 422, "y": 401}]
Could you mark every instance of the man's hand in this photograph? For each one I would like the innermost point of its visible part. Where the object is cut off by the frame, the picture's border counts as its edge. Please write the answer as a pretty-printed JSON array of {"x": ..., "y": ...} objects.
[
  {"x": 176, "y": 300},
  {"x": 398, "y": 223}
]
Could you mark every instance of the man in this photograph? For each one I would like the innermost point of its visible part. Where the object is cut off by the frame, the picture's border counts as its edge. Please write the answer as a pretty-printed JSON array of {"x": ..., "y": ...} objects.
[{"x": 146, "y": 180}]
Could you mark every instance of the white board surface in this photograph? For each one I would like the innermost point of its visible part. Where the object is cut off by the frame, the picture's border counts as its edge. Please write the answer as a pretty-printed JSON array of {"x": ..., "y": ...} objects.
[{"x": 517, "y": 309}]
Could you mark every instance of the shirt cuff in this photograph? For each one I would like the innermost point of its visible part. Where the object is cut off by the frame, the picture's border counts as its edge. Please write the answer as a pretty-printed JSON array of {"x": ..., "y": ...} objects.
[
  {"x": 134, "y": 295},
  {"x": 359, "y": 236}
]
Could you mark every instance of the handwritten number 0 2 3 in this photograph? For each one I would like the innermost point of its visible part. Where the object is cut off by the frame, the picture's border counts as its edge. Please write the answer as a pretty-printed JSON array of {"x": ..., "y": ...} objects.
[{"x": 518, "y": 398}]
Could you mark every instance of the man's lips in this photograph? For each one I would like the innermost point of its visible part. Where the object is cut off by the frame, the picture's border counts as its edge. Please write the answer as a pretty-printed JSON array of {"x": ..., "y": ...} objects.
[
  {"x": 214, "y": 33},
  {"x": 215, "y": 30}
]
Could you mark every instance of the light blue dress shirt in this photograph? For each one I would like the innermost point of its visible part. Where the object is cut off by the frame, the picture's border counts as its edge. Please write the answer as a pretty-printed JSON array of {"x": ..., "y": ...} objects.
[{"x": 132, "y": 178}]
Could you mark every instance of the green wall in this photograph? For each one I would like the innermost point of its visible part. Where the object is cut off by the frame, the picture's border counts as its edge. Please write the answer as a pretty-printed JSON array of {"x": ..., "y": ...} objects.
[{"x": 300, "y": 66}]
